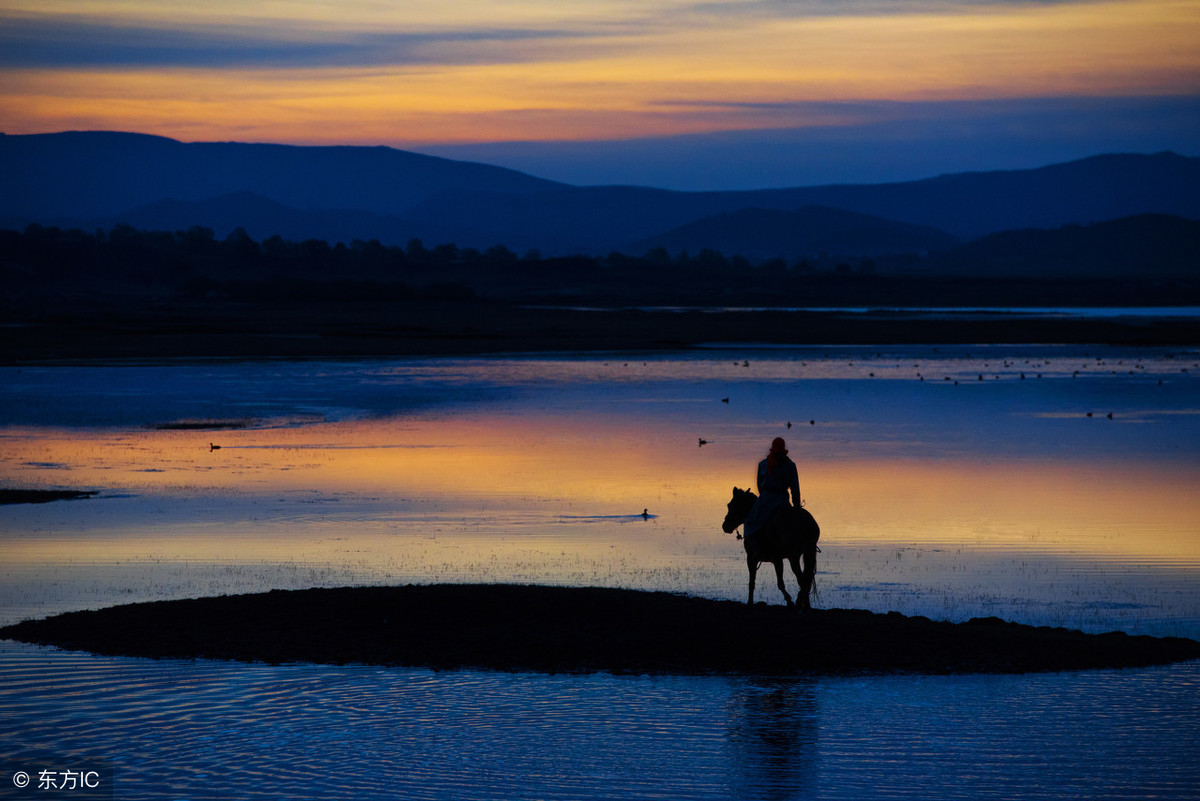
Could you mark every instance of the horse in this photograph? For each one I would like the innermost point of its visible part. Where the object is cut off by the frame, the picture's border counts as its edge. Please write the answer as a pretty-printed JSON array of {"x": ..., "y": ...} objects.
[{"x": 791, "y": 534}]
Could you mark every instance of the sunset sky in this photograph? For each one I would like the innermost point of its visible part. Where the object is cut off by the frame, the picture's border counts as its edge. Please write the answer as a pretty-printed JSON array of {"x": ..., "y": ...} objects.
[{"x": 679, "y": 93}]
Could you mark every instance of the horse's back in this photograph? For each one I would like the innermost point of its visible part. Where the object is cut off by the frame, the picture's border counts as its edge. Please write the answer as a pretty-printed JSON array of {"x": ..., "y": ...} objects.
[
  {"x": 808, "y": 523},
  {"x": 805, "y": 526},
  {"x": 790, "y": 532}
]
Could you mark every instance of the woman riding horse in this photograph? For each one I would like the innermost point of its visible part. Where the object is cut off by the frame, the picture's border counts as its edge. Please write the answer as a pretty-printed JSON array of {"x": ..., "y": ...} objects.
[
  {"x": 777, "y": 476},
  {"x": 775, "y": 529}
]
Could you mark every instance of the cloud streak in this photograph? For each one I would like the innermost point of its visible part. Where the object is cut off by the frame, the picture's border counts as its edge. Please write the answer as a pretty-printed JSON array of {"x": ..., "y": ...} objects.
[
  {"x": 792, "y": 9},
  {"x": 46, "y": 42},
  {"x": 480, "y": 71},
  {"x": 866, "y": 142},
  {"x": 33, "y": 40}
]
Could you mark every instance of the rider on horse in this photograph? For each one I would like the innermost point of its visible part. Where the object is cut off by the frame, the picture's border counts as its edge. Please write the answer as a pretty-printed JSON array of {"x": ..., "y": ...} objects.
[
  {"x": 777, "y": 476},
  {"x": 776, "y": 529}
]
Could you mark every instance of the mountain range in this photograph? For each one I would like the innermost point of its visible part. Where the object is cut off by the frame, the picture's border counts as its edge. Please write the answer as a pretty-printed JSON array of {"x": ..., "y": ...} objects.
[{"x": 95, "y": 180}]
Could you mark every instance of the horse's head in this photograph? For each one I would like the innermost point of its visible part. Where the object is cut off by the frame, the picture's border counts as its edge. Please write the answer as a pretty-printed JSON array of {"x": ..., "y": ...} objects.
[{"x": 737, "y": 509}]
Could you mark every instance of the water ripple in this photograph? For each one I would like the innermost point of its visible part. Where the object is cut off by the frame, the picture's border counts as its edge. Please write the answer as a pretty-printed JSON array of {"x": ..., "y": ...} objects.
[{"x": 215, "y": 730}]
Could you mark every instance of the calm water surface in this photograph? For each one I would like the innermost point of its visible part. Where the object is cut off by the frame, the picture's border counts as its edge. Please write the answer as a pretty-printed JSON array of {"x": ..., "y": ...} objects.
[{"x": 951, "y": 482}]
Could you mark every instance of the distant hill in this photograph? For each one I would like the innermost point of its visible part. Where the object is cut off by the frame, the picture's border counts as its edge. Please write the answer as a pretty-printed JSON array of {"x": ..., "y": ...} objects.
[
  {"x": 813, "y": 230},
  {"x": 96, "y": 179},
  {"x": 966, "y": 205},
  {"x": 262, "y": 218},
  {"x": 1146, "y": 245},
  {"x": 974, "y": 204},
  {"x": 99, "y": 174}
]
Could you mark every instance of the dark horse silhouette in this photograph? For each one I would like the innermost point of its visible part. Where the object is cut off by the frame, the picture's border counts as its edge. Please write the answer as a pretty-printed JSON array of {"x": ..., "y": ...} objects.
[{"x": 791, "y": 534}]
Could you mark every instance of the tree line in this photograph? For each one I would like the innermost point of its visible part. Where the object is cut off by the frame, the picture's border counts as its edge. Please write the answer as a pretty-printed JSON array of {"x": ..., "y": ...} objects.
[
  {"x": 196, "y": 262},
  {"x": 42, "y": 263}
]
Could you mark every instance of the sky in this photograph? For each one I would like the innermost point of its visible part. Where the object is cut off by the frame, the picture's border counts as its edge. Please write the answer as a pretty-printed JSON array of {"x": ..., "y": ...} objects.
[{"x": 683, "y": 94}]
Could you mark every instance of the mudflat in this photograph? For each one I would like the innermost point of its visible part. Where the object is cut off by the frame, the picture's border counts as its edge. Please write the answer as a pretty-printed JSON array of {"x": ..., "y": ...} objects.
[
  {"x": 579, "y": 630},
  {"x": 10, "y": 496},
  {"x": 382, "y": 329}
]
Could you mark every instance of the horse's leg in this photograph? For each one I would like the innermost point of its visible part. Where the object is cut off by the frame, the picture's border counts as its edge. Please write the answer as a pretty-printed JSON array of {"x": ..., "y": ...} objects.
[
  {"x": 802, "y": 599},
  {"x": 809, "y": 575},
  {"x": 779, "y": 578},
  {"x": 752, "y": 566}
]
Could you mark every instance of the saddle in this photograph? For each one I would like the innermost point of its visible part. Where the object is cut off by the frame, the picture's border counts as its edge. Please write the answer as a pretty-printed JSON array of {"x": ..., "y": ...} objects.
[{"x": 800, "y": 523}]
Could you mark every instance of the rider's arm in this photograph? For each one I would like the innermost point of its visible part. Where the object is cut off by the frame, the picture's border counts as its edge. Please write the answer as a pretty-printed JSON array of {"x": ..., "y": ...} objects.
[{"x": 794, "y": 480}]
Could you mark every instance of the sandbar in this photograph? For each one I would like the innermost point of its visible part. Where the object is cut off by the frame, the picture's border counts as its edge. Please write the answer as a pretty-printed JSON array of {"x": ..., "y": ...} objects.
[
  {"x": 10, "y": 496},
  {"x": 548, "y": 629}
]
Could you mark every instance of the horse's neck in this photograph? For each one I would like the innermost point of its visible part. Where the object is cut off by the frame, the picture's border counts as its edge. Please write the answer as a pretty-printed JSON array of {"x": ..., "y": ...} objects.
[{"x": 750, "y": 499}]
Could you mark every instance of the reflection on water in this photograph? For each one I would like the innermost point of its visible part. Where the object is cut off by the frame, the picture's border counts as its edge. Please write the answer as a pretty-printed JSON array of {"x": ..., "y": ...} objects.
[
  {"x": 950, "y": 482},
  {"x": 773, "y": 738},
  {"x": 942, "y": 312},
  {"x": 208, "y": 730}
]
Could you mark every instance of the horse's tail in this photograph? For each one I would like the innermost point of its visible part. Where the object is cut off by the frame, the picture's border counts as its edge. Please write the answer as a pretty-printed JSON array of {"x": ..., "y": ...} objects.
[
  {"x": 809, "y": 581},
  {"x": 810, "y": 532}
]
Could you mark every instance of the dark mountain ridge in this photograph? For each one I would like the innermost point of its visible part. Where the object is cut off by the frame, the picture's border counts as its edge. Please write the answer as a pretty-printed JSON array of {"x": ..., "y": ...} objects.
[
  {"x": 98, "y": 174},
  {"x": 966, "y": 205},
  {"x": 98, "y": 179},
  {"x": 1143, "y": 244},
  {"x": 810, "y": 231},
  {"x": 974, "y": 204},
  {"x": 261, "y": 218}
]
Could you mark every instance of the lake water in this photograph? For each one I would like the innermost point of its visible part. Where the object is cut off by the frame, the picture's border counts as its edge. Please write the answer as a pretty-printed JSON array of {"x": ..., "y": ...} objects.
[{"x": 952, "y": 482}]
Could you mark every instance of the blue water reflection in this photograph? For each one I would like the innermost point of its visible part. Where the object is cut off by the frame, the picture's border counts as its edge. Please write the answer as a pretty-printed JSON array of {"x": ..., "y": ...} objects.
[
  {"x": 208, "y": 730},
  {"x": 947, "y": 484}
]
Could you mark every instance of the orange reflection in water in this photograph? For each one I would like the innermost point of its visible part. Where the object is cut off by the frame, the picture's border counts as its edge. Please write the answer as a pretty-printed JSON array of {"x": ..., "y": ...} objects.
[
  {"x": 1140, "y": 512},
  {"x": 492, "y": 468}
]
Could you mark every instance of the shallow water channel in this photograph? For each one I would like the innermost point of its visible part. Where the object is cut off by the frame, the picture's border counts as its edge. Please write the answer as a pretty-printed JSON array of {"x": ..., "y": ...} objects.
[{"x": 952, "y": 482}]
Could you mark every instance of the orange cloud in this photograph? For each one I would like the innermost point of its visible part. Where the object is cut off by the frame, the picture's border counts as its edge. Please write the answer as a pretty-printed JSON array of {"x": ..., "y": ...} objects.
[{"x": 533, "y": 73}]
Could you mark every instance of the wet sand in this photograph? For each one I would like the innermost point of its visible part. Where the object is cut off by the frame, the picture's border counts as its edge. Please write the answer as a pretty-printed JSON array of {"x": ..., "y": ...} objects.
[{"x": 579, "y": 630}]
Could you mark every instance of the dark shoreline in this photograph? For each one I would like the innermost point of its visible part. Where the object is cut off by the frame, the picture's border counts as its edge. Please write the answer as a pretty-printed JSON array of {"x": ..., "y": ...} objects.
[
  {"x": 11, "y": 496},
  {"x": 100, "y": 331},
  {"x": 543, "y": 629}
]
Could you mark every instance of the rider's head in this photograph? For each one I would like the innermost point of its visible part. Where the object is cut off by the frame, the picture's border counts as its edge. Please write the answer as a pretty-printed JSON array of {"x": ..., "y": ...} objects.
[{"x": 778, "y": 451}]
